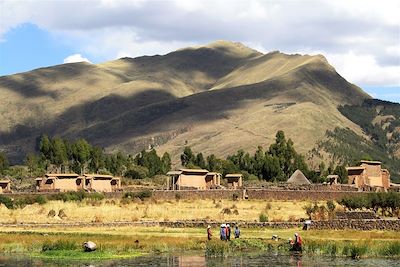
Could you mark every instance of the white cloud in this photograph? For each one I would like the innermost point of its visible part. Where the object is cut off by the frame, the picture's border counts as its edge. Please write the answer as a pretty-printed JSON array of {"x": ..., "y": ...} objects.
[
  {"x": 364, "y": 69},
  {"x": 75, "y": 58}
]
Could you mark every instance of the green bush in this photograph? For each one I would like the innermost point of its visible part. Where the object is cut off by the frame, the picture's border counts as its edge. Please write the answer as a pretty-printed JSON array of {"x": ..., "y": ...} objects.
[
  {"x": 137, "y": 172},
  {"x": 59, "y": 245},
  {"x": 40, "y": 199},
  {"x": 6, "y": 201},
  {"x": 141, "y": 194},
  {"x": 263, "y": 217}
]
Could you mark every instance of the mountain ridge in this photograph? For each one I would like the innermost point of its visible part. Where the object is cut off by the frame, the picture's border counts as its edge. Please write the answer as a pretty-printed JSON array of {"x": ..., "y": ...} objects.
[{"x": 221, "y": 92}]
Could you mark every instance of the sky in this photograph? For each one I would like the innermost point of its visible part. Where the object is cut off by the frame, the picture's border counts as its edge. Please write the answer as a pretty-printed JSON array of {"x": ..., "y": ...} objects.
[{"x": 361, "y": 39}]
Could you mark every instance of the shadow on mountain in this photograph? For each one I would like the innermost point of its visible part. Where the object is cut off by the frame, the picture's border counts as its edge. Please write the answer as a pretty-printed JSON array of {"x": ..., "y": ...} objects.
[
  {"x": 84, "y": 115},
  {"x": 33, "y": 83}
]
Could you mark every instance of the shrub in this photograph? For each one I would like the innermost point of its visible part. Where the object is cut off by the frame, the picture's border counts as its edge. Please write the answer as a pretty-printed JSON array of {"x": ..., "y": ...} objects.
[
  {"x": 263, "y": 217},
  {"x": 330, "y": 206},
  {"x": 40, "y": 199},
  {"x": 141, "y": 194},
  {"x": 235, "y": 196},
  {"x": 226, "y": 211},
  {"x": 178, "y": 196},
  {"x": 6, "y": 201},
  {"x": 59, "y": 245},
  {"x": 137, "y": 172}
]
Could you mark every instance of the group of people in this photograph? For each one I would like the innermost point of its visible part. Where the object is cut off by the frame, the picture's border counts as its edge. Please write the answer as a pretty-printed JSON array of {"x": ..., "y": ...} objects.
[
  {"x": 225, "y": 235},
  {"x": 225, "y": 232}
]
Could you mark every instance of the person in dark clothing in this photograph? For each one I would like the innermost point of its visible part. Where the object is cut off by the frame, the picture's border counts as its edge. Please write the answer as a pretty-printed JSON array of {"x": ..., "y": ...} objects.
[
  {"x": 228, "y": 232},
  {"x": 297, "y": 243},
  {"x": 237, "y": 231},
  {"x": 209, "y": 234}
]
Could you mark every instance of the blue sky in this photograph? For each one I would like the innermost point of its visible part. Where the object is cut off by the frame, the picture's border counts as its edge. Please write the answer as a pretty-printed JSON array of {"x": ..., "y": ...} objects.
[
  {"x": 361, "y": 39},
  {"x": 27, "y": 47}
]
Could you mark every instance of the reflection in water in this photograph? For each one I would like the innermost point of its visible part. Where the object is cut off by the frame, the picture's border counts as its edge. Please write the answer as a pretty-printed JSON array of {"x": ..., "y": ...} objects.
[{"x": 267, "y": 259}]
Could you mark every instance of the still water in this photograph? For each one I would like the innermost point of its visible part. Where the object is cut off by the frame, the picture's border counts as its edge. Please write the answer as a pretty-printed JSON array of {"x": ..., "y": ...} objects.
[{"x": 268, "y": 259}]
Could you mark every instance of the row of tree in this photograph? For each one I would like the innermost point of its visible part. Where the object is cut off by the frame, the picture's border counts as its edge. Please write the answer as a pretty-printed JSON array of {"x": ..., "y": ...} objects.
[
  {"x": 386, "y": 203},
  {"x": 82, "y": 157},
  {"x": 275, "y": 164}
]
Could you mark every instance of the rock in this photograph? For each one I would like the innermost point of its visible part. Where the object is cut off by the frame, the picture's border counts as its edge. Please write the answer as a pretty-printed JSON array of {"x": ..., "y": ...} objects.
[{"x": 89, "y": 246}]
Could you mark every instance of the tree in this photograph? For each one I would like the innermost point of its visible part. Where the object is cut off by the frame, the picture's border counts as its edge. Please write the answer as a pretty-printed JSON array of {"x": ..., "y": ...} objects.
[
  {"x": 187, "y": 156},
  {"x": 59, "y": 152},
  {"x": 166, "y": 162},
  {"x": 35, "y": 164},
  {"x": 271, "y": 169},
  {"x": 200, "y": 161},
  {"x": 81, "y": 151},
  {"x": 97, "y": 159},
  {"x": 4, "y": 164},
  {"x": 212, "y": 163},
  {"x": 340, "y": 170},
  {"x": 45, "y": 149},
  {"x": 137, "y": 172}
]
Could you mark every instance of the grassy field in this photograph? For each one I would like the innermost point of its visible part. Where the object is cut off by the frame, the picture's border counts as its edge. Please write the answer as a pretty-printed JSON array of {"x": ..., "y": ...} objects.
[
  {"x": 121, "y": 210},
  {"x": 133, "y": 241}
]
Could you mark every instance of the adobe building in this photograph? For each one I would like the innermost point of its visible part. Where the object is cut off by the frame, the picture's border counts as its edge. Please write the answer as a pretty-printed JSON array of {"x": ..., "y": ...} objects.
[
  {"x": 5, "y": 186},
  {"x": 61, "y": 182},
  {"x": 234, "y": 180},
  {"x": 102, "y": 183},
  {"x": 193, "y": 179},
  {"x": 369, "y": 174}
]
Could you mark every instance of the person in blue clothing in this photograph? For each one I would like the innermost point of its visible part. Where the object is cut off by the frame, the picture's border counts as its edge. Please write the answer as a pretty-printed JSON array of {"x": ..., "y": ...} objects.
[
  {"x": 223, "y": 232},
  {"x": 237, "y": 231}
]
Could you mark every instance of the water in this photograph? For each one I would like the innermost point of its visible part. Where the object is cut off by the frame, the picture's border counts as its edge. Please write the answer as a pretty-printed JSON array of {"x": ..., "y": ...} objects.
[{"x": 267, "y": 259}]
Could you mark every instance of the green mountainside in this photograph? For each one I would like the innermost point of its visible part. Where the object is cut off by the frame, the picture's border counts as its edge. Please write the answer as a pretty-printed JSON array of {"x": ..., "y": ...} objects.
[{"x": 380, "y": 121}]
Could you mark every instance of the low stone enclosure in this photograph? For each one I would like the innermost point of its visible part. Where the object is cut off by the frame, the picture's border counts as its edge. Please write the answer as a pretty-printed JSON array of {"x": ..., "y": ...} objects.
[
  {"x": 261, "y": 194},
  {"x": 265, "y": 194},
  {"x": 359, "y": 224}
]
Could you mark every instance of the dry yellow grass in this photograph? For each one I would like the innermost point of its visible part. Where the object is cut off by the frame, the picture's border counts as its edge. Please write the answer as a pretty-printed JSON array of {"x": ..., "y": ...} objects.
[{"x": 115, "y": 210}]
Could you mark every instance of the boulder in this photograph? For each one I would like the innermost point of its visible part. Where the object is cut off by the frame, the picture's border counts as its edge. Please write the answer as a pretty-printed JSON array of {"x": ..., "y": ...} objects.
[{"x": 89, "y": 246}]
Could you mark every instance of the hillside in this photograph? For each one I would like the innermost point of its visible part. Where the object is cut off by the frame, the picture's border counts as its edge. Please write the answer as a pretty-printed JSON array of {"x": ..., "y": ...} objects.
[
  {"x": 216, "y": 98},
  {"x": 380, "y": 121}
]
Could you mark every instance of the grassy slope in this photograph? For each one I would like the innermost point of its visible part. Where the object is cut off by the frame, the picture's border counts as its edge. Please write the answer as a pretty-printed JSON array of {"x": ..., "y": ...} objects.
[{"x": 172, "y": 101}]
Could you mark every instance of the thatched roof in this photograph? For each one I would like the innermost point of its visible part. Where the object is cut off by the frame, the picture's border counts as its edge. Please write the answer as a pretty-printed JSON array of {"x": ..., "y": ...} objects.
[{"x": 298, "y": 178}]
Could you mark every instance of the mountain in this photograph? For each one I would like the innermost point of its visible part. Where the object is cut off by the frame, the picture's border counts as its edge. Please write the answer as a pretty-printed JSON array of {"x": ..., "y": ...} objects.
[{"x": 216, "y": 98}]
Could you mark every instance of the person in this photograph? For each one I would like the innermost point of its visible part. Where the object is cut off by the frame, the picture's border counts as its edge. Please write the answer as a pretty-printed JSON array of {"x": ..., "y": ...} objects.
[
  {"x": 223, "y": 232},
  {"x": 297, "y": 243},
  {"x": 228, "y": 232},
  {"x": 237, "y": 231},
  {"x": 209, "y": 234}
]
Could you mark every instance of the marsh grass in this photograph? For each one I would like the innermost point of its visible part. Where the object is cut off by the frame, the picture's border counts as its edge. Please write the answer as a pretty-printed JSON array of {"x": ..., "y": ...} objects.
[{"x": 133, "y": 240}]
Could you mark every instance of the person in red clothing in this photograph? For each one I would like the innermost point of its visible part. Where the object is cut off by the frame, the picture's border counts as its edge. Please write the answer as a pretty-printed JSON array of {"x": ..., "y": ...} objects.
[
  {"x": 209, "y": 234},
  {"x": 297, "y": 243}
]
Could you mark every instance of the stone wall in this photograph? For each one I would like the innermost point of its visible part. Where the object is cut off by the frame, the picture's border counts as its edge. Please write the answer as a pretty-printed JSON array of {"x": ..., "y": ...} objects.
[
  {"x": 298, "y": 194},
  {"x": 362, "y": 225},
  {"x": 197, "y": 194},
  {"x": 393, "y": 225}
]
